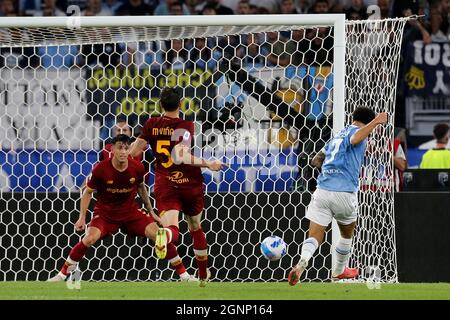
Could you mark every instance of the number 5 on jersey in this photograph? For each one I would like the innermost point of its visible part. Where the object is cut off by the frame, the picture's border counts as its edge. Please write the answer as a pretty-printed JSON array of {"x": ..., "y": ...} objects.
[{"x": 162, "y": 147}]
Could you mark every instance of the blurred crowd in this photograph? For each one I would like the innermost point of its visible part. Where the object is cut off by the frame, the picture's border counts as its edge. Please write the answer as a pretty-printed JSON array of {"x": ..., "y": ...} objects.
[
  {"x": 269, "y": 49},
  {"x": 261, "y": 49},
  {"x": 436, "y": 12}
]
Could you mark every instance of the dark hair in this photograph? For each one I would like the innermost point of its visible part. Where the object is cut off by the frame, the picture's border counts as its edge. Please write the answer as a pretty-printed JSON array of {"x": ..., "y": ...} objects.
[
  {"x": 440, "y": 130},
  {"x": 176, "y": 3},
  {"x": 363, "y": 114},
  {"x": 121, "y": 138},
  {"x": 121, "y": 118},
  {"x": 320, "y": 1},
  {"x": 169, "y": 99},
  {"x": 210, "y": 7}
]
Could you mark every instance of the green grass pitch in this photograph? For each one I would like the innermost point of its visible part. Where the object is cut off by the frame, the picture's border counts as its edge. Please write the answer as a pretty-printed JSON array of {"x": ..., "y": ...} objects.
[{"x": 216, "y": 290}]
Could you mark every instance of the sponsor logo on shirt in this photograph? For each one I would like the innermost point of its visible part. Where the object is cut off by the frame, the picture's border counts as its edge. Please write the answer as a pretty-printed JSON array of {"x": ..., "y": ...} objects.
[
  {"x": 132, "y": 180},
  {"x": 110, "y": 182},
  {"x": 116, "y": 190},
  {"x": 331, "y": 171},
  {"x": 177, "y": 177}
]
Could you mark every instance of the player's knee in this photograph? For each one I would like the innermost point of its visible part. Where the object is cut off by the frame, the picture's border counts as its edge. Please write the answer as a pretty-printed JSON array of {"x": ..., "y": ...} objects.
[
  {"x": 90, "y": 240},
  {"x": 347, "y": 230},
  {"x": 170, "y": 218},
  {"x": 194, "y": 225},
  {"x": 194, "y": 228},
  {"x": 150, "y": 231}
]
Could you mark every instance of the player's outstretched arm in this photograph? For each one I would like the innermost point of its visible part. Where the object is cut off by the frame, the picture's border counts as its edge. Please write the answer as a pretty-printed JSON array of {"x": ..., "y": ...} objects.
[
  {"x": 80, "y": 225},
  {"x": 137, "y": 147},
  {"x": 364, "y": 132},
  {"x": 182, "y": 154}
]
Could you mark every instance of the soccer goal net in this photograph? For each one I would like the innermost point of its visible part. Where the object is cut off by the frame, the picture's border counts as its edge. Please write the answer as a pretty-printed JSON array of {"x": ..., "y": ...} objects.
[{"x": 265, "y": 93}]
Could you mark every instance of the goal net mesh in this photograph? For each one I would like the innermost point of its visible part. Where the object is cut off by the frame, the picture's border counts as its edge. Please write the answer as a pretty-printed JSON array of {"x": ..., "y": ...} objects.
[
  {"x": 261, "y": 98},
  {"x": 373, "y": 53}
]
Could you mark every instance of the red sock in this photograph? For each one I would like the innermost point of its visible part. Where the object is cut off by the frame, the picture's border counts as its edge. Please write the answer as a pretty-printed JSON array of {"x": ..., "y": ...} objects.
[
  {"x": 76, "y": 254},
  {"x": 171, "y": 251},
  {"x": 174, "y": 259},
  {"x": 64, "y": 268},
  {"x": 200, "y": 250},
  {"x": 175, "y": 233}
]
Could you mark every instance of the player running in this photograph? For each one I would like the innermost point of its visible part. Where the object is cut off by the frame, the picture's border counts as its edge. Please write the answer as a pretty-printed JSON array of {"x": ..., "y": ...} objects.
[
  {"x": 178, "y": 177},
  {"x": 336, "y": 194},
  {"x": 117, "y": 180}
]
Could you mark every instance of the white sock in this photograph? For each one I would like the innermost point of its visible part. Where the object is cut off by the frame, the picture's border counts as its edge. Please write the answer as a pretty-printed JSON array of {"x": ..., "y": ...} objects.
[
  {"x": 309, "y": 246},
  {"x": 185, "y": 275},
  {"x": 72, "y": 265},
  {"x": 343, "y": 251}
]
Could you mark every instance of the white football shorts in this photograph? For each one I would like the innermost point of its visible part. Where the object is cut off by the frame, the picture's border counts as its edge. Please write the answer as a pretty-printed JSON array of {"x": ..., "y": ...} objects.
[{"x": 325, "y": 205}]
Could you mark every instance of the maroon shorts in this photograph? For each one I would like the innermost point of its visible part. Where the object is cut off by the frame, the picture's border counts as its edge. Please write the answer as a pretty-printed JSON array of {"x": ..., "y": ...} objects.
[
  {"x": 190, "y": 201},
  {"x": 133, "y": 226}
]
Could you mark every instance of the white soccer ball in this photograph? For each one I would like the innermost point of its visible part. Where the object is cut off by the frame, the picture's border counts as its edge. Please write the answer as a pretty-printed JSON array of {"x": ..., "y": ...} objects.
[{"x": 273, "y": 248}]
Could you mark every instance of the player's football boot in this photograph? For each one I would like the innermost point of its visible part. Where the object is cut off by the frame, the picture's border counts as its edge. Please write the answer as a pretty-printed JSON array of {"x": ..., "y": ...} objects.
[
  {"x": 349, "y": 273},
  {"x": 203, "y": 282},
  {"x": 59, "y": 277},
  {"x": 186, "y": 277},
  {"x": 296, "y": 272},
  {"x": 161, "y": 243},
  {"x": 64, "y": 272}
]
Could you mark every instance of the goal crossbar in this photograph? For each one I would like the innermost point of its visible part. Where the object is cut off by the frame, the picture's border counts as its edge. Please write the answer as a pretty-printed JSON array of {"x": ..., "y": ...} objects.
[{"x": 170, "y": 21}]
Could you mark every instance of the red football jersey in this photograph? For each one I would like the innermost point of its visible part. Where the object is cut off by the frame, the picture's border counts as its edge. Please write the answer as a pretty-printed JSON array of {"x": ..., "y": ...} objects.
[
  {"x": 163, "y": 133},
  {"x": 116, "y": 191}
]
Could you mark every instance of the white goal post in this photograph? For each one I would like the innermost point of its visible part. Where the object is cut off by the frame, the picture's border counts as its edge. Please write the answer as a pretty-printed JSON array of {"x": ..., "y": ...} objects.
[{"x": 284, "y": 82}]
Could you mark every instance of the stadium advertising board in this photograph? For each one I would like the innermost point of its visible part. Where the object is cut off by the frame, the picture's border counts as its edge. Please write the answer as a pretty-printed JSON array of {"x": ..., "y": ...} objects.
[{"x": 135, "y": 92}]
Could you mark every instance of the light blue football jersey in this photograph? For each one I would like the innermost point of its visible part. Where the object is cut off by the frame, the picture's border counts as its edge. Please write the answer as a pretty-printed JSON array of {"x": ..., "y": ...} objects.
[{"x": 340, "y": 169}]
